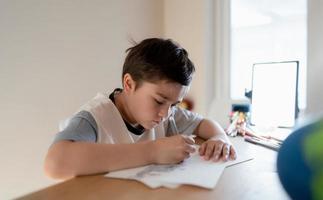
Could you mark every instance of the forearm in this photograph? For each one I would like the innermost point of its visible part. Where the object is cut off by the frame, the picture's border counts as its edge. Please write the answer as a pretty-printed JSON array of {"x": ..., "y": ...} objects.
[
  {"x": 208, "y": 129},
  {"x": 68, "y": 159}
]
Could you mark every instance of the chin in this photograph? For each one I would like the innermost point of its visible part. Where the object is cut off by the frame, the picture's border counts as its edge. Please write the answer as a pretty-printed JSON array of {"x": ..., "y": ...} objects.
[{"x": 149, "y": 126}]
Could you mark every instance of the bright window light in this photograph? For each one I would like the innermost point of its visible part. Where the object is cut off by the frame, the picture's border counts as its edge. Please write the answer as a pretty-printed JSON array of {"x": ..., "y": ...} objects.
[
  {"x": 266, "y": 31},
  {"x": 274, "y": 94}
]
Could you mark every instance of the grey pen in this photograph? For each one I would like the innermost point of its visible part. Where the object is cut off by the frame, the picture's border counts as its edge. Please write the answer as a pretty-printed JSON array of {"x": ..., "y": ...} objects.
[{"x": 173, "y": 125}]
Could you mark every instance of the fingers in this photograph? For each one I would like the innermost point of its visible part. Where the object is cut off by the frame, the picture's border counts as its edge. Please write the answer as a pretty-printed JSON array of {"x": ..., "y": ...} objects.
[
  {"x": 233, "y": 154},
  {"x": 189, "y": 139},
  {"x": 202, "y": 149},
  {"x": 188, "y": 144},
  {"x": 209, "y": 152},
  {"x": 217, "y": 152},
  {"x": 189, "y": 148},
  {"x": 214, "y": 150},
  {"x": 186, "y": 155},
  {"x": 226, "y": 152}
]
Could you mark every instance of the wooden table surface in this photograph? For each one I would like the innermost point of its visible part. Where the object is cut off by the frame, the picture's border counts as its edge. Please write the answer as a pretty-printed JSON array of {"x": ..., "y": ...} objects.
[{"x": 255, "y": 179}]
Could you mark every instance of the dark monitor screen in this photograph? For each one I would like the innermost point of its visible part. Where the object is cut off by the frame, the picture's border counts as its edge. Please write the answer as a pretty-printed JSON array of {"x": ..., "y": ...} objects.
[{"x": 274, "y": 94}]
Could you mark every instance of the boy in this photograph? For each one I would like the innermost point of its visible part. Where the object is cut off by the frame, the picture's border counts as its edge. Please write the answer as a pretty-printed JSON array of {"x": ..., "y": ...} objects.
[{"x": 139, "y": 124}]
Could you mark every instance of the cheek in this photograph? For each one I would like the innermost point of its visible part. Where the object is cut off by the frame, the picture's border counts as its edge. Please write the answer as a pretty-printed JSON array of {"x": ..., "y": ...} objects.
[
  {"x": 145, "y": 108},
  {"x": 149, "y": 108}
]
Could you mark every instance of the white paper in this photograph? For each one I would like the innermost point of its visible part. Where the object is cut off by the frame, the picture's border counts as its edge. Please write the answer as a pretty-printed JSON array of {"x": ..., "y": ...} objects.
[{"x": 193, "y": 171}]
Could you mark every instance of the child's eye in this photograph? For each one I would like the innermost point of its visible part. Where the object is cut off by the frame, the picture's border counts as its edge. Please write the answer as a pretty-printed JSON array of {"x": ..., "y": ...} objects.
[{"x": 159, "y": 102}]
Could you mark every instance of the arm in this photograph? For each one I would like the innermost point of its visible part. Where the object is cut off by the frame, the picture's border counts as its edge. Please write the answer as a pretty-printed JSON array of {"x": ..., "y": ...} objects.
[
  {"x": 66, "y": 159},
  {"x": 217, "y": 145},
  {"x": 210, "y": 129}
]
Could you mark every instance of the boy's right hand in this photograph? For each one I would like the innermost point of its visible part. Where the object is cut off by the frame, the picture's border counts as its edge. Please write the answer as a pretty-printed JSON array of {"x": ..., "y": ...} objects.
[{"x": 171, "y": 150}]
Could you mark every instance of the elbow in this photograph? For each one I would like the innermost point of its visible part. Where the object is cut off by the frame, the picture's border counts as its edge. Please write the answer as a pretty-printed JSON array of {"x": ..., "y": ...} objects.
[
  {"x": 56, "y": 165},
  {"x": 54, "y": 170}
]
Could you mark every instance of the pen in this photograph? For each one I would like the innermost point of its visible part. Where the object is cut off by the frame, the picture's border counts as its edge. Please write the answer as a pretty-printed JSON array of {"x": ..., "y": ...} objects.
[
  {"x": 173, "y": 125},
  {"x": 175, "y": 130},
  {"x": 192, "y": 137},
  {"x": 262, "y": 142},
  {"x": 273, "y": 138},
  {"x": 263, "y": 137}
]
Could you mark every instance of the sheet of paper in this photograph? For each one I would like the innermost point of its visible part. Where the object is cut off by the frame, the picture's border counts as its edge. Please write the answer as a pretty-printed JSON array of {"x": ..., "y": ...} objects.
[{"x": 193, "y": 171}]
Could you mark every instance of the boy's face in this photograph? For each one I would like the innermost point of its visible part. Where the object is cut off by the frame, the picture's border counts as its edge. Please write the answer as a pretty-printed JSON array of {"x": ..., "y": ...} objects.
[{"x": 151, "y": 103}]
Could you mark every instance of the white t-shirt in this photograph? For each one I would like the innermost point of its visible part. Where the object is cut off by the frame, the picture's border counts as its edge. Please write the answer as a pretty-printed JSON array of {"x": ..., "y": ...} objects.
[{"x": 100, "y": 121}]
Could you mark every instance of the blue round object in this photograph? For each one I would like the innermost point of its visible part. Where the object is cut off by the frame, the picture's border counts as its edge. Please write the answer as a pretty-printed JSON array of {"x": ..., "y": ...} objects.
[{"x": 294, "y": 172}]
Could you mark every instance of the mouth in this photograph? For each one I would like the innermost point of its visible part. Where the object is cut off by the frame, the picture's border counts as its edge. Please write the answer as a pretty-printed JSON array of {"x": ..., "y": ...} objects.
[{"x": 156, "y": 122}]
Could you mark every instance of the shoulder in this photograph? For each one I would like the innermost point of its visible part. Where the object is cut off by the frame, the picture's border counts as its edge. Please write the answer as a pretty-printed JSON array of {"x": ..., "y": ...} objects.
[
  {"x": 179, "y": 113},
  {"x": 85, "y": 115},
  {"x": 100, "y": 100}
]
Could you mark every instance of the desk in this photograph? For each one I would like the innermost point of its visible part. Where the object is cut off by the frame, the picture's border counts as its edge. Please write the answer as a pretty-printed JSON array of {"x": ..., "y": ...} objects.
[{"x": 255, "y": 179}]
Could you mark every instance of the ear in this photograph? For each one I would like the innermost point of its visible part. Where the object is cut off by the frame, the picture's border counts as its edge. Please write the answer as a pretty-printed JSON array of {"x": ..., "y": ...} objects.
[{"x": 128, "y": 83}]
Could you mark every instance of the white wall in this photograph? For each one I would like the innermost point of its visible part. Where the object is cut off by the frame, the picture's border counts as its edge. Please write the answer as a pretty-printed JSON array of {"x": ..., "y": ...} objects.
[
  {"x": 54, "y": 56},
  {"x": 315, "y": 58},
  {"x": 185, "y": 22}
]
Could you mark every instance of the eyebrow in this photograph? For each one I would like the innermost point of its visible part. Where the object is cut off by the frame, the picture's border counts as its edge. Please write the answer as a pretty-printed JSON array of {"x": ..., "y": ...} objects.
[{"x": 163, "y": 96}]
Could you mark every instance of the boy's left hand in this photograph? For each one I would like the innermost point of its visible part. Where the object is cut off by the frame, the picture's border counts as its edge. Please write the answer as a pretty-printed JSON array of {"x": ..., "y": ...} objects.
[{"x": 216, "y": 149}]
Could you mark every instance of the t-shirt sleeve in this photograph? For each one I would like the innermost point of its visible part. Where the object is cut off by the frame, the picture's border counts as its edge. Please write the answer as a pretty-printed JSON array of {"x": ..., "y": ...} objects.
[
  {"x": 81, "y": 127},
  {"x": 186, "y": 121}
]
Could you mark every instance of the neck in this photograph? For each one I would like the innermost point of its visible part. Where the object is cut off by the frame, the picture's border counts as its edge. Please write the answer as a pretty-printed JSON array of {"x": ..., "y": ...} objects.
[{"x": 122, "y": 106}]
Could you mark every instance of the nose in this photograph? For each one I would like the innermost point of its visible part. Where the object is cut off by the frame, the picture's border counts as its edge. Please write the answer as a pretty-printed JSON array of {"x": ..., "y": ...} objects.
[{"x": 164, "y": 112}]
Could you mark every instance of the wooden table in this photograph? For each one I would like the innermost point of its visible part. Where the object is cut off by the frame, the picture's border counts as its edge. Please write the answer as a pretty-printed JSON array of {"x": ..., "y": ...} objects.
[{"x": 255, "y": 179}]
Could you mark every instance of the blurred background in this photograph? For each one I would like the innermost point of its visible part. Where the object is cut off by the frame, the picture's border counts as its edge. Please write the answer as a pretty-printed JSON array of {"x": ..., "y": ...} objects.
[{"x": 55, "y": 55}]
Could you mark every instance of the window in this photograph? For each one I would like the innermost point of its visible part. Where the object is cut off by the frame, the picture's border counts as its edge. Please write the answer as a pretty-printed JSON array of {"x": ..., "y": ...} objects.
[
  {"x": 274, "y": 100},
  {"x": 266, "y": 31}
]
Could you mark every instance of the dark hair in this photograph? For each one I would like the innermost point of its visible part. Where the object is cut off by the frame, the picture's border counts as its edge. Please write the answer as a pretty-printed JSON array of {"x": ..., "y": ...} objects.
[{"x": 157, "y": 59}]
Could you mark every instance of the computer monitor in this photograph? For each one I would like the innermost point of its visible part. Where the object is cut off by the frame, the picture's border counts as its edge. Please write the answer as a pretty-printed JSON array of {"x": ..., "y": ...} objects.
[{"x": 274, "y": 99}]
